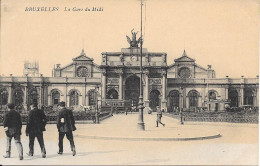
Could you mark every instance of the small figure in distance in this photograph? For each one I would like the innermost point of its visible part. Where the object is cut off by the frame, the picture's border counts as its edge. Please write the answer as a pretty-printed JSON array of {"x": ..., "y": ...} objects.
[
  {"x": 12, "y": 127},
  {"x": 65, "y": 125},
  {"x": 159, "y": 117}
]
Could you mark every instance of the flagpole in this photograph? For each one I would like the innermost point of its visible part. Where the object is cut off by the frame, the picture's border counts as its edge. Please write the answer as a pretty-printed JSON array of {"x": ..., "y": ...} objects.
[{"x": 140, "y": 124}]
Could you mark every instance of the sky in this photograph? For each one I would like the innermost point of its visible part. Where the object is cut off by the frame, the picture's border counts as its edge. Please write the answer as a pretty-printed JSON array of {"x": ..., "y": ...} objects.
[{"x": 222, "y": 33}]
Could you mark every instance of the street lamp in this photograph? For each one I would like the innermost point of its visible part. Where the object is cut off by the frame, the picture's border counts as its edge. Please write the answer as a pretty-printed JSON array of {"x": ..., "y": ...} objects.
[
  {"x": 140, "y": 124},
  {"x": 97, "y": 116}
]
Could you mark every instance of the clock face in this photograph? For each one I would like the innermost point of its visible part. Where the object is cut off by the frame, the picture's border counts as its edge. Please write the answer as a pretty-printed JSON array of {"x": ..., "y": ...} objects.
[
  {"x": 184, "y": 72},
  {"x": 134, "y": 58},
  {"x": 82, "y": 72}
]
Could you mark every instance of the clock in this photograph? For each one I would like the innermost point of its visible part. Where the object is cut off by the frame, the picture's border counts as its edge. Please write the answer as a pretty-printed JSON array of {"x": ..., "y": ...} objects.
[
  {"x": 134, "y": 58},
  {"x": 82, "y": 72},
  {"x": 184, "y": 72}
]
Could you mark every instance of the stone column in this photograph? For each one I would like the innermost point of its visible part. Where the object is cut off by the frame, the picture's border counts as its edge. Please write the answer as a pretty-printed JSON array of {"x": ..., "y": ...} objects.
[
  {"x": 257, "y": 96},
  {"x": 181, "y": 100},
  {"x": 164, "y": 101},
  {"x": 226, "y": 92},
  {"x": 120, "y": 86},
  {"x": 25, "y": 98},
  {"x": 40, "y": 96},
  {"x": 87, "y": 100},
  {"x": 185, "y": 99},
  {"x": 25, "y": 95},
  {"x": 104, "y": 84},
  {"x": 146, "y": 89},
  {"x": 199, "y": 101},
  {"x": 242, "y": 95},
  {"x": 84, "y": 93},
  {"x": 49, "y": 100},
  {"x": 66, "y": 92},
  {"x": 10, "y": 94}
]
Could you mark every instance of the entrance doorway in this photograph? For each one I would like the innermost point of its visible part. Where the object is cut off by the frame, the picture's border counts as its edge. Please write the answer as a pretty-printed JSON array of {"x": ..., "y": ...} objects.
[
  {"x": 154, "y": 99},
  {"x": 132, "y": 89}
]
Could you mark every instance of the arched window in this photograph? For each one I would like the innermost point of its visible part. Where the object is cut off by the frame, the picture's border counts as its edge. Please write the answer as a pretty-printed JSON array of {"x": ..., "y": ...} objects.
[
  {"x": 112, "y": 94},
  {"x": 193, "y": 98},
  {"x": 74, "y": 98},
  {"x": 55, "y": 95},
  {"x": 3, "y": 96},
  {"x": 33, "y": 96},
  {"x": 212, "y": 95},
  {"x": 248, "y": 97},
  {"x": 233, "y": 97},
  {"x": 18, "y": 97},
  {"x": 92, "y": 96},
  {"x": 173, "y": 99}
]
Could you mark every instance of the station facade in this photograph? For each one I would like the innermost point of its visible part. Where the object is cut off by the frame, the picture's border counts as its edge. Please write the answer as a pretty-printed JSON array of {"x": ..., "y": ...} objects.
[{"x": 182, "y": 84}]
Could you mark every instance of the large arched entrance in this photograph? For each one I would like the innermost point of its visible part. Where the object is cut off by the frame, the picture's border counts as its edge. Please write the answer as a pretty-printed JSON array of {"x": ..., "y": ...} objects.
[
  {"x": 74, "y": 98},
  {"x": 3, "y": 96},
  {"x": 193, "y": 99},
  {"x": 154, "y": 99},
  {"x": 248, "y": 97},
  {"x": 233, "y": 97},
  {"x": 55, "y": 97},
  {"x": 132, "y": 89},
  {"x": 18, "y": 97},
  {"x": 33, "y": 96},
  {"x": 173, "y": 100}
]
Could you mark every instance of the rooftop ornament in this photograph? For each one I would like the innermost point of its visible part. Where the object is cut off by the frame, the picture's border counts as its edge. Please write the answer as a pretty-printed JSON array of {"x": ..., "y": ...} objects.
[{"x": 133, "y": 42}]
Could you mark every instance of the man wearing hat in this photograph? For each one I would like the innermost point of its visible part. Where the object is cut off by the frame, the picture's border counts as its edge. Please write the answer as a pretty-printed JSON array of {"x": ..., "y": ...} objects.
[
  {"x": 12, "y": 127},
  {"x": 65, "y": 125},
  {"x": 35, "y": 126}
]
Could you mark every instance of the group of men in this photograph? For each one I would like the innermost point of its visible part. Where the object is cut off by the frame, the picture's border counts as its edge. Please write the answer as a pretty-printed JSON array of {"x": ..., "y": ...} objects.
[{"x": 35, "y": 127}]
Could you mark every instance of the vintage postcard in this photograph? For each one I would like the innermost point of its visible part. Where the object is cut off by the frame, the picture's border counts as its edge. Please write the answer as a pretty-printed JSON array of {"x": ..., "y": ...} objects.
[{"x": 129, "y": 82}]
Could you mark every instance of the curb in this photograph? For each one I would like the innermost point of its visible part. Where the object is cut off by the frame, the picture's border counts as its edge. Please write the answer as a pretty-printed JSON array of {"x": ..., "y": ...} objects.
[{"x": 149, "y": 139}]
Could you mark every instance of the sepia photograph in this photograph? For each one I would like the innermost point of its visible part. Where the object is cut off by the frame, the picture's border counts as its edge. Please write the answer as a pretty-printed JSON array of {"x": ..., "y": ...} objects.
[{"x": 129, "y": 82}]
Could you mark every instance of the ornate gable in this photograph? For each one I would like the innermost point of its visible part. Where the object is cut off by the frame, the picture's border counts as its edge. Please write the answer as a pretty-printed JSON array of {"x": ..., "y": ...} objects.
[
  {"x": 82, "y": 57},
  {"x": 184, "y": 58}
]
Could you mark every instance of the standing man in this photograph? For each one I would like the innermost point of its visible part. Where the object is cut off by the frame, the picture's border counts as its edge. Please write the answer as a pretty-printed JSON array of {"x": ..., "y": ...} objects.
[
  {"x": 65, "y": 125},
  {"x": 12, "y": 127},
  {"x": 35, "y": 126},
  {"x": 159, "y": 116}
]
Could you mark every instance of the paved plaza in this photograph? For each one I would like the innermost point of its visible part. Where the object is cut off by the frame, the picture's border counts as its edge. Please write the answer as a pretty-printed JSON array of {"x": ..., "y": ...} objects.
[{"x": 113, "y": 141}]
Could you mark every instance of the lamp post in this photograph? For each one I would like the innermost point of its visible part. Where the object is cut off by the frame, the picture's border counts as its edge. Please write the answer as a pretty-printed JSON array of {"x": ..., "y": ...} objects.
[
  {"x": 140, "y": 124},
  {"x": 97, "y": 116}
]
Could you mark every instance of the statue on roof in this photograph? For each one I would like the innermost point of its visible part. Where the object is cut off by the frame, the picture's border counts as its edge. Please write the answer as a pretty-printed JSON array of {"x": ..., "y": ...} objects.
[{"x": 133, "y": 42}]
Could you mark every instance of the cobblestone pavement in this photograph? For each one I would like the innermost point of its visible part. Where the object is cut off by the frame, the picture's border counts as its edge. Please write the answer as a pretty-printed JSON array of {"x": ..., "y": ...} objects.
[{"x": 238, "y": 144}]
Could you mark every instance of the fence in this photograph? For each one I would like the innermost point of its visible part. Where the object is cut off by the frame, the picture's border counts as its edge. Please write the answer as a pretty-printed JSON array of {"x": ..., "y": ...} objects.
[
  {"x": 221, "y": 118},
  {"x": 53, "y": 118}
]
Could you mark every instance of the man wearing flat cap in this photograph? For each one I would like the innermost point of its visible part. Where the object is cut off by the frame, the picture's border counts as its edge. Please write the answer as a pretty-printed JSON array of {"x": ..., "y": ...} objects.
[
  {"x": 12, "y": 127},
  {"x": 35, "y": 126},
  {"x": 65, "y": 125}
]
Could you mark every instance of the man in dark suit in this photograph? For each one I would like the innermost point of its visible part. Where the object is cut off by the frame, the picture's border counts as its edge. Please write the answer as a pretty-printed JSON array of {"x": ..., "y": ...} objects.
[
  {"x": 12, "y": 127},
  {"x": 65, "y": 125},
  {"x": 35, "y": 126}
]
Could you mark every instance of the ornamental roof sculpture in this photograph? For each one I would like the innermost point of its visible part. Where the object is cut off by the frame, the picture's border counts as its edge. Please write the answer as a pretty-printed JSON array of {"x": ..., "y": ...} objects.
[{"x": 133, "y": 42}]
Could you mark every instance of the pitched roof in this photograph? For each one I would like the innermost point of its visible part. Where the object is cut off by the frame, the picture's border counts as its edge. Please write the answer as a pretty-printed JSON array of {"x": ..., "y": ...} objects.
[
  {"x": 82, "y": 57},
  {"x": 184, "y": 58}
]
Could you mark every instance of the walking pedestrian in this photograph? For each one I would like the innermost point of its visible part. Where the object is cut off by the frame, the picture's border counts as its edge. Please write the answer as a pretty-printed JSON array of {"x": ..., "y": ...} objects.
[
  {"x": 65, "y": 125},
  {"x": 35, "y": 126},
  {"x": 12, "y": 127},
  {"x": 159, "y": 117}
]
